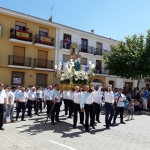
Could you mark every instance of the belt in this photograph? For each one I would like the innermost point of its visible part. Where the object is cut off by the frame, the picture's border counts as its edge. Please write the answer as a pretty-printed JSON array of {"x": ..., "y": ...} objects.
[
  {"x": 108, "y": 103},
  {"x": 21, "y": 102}
]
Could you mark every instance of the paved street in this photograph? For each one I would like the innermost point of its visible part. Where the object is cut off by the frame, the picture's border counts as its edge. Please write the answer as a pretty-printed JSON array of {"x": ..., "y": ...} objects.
[{"x": 35, "y": 135}]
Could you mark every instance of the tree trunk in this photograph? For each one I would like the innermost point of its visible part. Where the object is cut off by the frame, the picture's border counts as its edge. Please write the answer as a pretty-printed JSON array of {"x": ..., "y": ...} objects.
[{"x": 138, "y": 78}]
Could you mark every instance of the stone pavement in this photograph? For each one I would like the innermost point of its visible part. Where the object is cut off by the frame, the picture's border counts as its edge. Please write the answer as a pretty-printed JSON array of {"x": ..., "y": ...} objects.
[{"x": 33, "y": 134}]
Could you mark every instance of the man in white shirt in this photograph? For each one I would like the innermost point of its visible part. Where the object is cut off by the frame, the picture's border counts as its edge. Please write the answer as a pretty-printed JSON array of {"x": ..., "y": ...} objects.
[
  {"x": 2, "y": 102},
  {"x": 31, "y": 100},
  {"x": 47, "y": 97},
  {"x": 55, "y": 100},
  {"x": 119, "y": 98},
  {"x": 109, "y": 106},
  {"x": 76, "y": 99},
  {"x": 22, "y": 101},
  {"x": 87, "y": 102},
  {"x": 70, "y": 102},
  {"x": 16, "y": 95},
  {"x": 10, "y": 105},
  {"x": 97, "y": 101},
  {"x": 65, "y": 98},
  {"x": 39, "y": 96}
]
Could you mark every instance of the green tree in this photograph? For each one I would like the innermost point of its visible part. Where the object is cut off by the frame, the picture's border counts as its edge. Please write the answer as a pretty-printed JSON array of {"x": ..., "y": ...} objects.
[{"x": 130, "y": 58}]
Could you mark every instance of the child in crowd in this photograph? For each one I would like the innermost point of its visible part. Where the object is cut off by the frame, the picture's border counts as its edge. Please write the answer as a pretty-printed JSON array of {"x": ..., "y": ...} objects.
[
  {"x": 131, "y": 109},
  {"x": 126, "y": 107}
]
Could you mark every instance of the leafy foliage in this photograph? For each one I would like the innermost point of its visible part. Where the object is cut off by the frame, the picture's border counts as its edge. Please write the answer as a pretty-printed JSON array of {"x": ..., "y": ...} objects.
[{"x": 130, "y": 58}]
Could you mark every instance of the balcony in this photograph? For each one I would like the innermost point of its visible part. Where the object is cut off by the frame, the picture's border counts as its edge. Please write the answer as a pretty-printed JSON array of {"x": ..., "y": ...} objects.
[
  {"x": 19, "y": 36},
  {"x": 43, "y": 41},
  {"x": 65, "y": 45},
  {"x": 86, "y": 49},
  {"x": 98, "y": 51},
  {"x": 19, "y": 62},
  {"x": 42, "y": 64}
]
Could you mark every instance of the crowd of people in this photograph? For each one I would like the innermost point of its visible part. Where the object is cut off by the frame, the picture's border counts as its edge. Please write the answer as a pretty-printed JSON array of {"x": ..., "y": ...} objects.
[{"x": 87, "y": 102}]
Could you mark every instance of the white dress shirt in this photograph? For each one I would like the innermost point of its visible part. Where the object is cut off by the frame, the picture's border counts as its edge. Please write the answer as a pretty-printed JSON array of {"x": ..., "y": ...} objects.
[
  {"x": 39, "y": 94},
  {"x": 70, "y": 95},
  {"x": 97, "y": 96},
  {"x": 121, "y": 99},
  {"x": 65, "y": 95},
  {"x": 109, "y": 97},
  {"x": 48, "y": 94},
  {"x": 2, "y": 96},
  {"x": 55, "y": 94},
  {"x": 17, "y": 93},
  {"x": 12, "y": 97},
  {"x": 77, "y": 97},
  {"x": 23, "y": 97},
  {"x": 32, "y": 95}
]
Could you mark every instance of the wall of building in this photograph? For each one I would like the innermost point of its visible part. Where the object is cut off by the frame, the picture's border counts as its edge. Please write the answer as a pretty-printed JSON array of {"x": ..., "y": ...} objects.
[{"x": 6, "y": 48}]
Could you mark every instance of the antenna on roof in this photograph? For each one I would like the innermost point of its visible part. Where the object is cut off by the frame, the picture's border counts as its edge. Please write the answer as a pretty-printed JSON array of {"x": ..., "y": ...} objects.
[{"x": 50, "y": 19}]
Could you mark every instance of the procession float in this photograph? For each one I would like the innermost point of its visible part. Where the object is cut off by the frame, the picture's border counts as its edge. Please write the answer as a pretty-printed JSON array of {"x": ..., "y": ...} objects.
[{"x": 75, "y": 74}]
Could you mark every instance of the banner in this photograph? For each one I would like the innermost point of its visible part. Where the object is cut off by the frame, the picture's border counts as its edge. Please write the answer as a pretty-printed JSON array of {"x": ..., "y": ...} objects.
[
  {"x": 45, "y": 39},
  {"x": 17, "y": 81},
  {"x": 22, "y": 35}
]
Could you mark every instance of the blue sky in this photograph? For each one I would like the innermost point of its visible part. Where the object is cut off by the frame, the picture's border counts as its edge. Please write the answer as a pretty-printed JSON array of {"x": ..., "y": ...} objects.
[{"x": 111, "y": 18}]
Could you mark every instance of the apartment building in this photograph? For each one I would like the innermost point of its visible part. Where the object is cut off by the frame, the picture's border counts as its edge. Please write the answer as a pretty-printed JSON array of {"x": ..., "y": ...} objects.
[
  {"x": 91, "y": 48},
  {"x": 30, "y": 47},
  {"x": 27, "y": 49}
]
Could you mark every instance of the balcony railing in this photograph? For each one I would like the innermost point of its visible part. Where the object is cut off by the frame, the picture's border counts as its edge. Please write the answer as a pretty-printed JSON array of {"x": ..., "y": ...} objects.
[
  {"x": 19, "y": 61},
  {"x": 44, "y": 40},
  {"x": 42, "y": 63},
  {"x": 21, "y": 35},
  {"x": 65, "y": 44},
  {"x": 98, "y": 51},
  {"x": 86, "y": 49}
]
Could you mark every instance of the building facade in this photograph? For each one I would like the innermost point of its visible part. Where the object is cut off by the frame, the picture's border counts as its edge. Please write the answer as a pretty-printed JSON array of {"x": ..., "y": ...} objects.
[{"x": 30, "y": 47}]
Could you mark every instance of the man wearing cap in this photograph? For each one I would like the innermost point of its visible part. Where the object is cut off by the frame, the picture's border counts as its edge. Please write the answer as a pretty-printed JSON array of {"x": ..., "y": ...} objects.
[
  {"x": 2, "y": 102},
  {"x": 119, "y": 98},
  {"x": 109, "y": 106}
]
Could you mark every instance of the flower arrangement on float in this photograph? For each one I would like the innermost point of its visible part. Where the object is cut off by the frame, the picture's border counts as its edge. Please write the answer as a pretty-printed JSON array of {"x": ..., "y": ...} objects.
[{"x": 72, "y": 76}]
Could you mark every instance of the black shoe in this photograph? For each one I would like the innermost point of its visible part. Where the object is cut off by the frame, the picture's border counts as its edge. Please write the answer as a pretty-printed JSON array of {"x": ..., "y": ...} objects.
[
  {"x": 107, "y": 127},
  {"x": 114, "y": 122},
  {"x": 111, "y": 124},
  {"x": 58, "y": 120},
  {"x": 98, "y": 121},
  {"x": 2, "y": 129},
  {"x": 82, "y": 124},
  {"x": 93, "y": 127},
  {"x": 122, "y": 122},
  {"x": 53, "y": 123},
  {"x": 87, "y": 130},
  {"x": 23, "y": 120},
  {"x": 74, "y": 126}
]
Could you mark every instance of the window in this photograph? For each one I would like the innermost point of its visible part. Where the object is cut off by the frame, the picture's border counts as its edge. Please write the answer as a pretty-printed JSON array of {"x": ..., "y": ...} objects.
[
  {"x": 41, "y": 79},
  {"x": 67, "y": 41},
  {"x": 43, "y": 32},
  {"x": 17, "y": 78},
  {"x": 66, "y": 58},
  {"x": 111, "y": 83},
  {"x": 84, "y": 61},
  {"x": 99, "y": 45},
  {"x": 84, "y": 44},
  {"x": 18, "y": 56},
  {"x": 20, "y": 26},
  {"x": 98, "y": 67},
  {"x": 42, "y": 59}
]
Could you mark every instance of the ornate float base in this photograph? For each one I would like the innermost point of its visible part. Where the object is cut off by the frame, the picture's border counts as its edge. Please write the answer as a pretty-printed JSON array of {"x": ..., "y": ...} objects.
[{"x": 68, "y": 87}]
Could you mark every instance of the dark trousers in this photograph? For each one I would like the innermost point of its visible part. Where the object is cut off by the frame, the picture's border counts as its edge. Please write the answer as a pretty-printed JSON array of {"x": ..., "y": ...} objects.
[
  {"x": 1, "y": 115},
  {"x": 71, "y": 105},
  {"x": 55, "y": 111},
  {"x": 66, "y": 106},
  {"x": 48, "y": 106},
  {"x": 109, "y": 109},
  {"x": 30, "y": 104},
  {"x": 76, "y": 110},
  {"x": 21, "y": 106},
  {"x": 40, "y": 104},
  {"x": 89, "y": 110},
  {"x": 97, "y": 111},
  {"x": 119, "y": 110}
]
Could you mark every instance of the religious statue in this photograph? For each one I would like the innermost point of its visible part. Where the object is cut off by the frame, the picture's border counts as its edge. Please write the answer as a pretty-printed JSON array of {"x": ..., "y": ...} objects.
[{"x": 74, "y": 54}]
